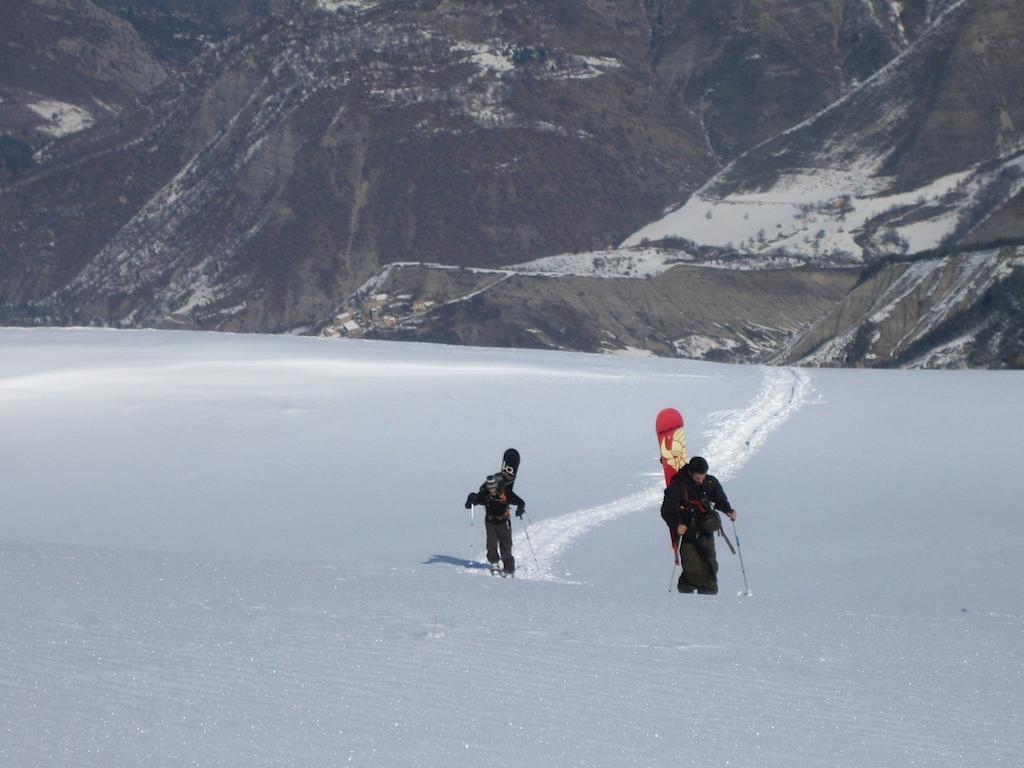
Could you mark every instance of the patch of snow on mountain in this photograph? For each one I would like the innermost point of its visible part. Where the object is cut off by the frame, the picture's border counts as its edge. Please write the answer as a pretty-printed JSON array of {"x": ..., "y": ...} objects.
[
  {"x": 333, "y": 6},
  {"x": 696, "y": 346},
  {"x": 62, "y": 119},
  {"x": 585, "y": 67},
  {"x": 896, "y": 13},
  {"x": 640, "y": 262},
  {"x": 815, "y": 214},
  {"x": 486, "y": 57},
  {"x": 929, "y": 234}
]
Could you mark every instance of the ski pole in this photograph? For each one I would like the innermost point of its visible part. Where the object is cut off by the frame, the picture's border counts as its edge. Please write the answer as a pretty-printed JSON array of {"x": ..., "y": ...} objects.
[
  {"x": 471, "y": 534},
  {"x": 746, "y": 587},
  {"x": 731, "y": 547},
  {"x": 675, "y": 562},
  {"x": 526, "y": 530}
]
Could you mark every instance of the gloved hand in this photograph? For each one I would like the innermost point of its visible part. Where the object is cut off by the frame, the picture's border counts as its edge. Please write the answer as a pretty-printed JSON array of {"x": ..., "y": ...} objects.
[
  {"x": 520, "y": 511},
  {"x": 470, "y": 500}
]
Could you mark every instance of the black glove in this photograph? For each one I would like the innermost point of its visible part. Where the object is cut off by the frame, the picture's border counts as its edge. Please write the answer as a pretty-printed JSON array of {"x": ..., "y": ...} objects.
[
  {"x": 520, "y": 511},
  {"x": 470, "y": 500}
]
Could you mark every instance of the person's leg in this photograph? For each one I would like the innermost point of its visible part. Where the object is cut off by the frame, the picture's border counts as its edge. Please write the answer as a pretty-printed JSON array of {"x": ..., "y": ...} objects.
[
  {"x": 492, "y": 542},
  {"x": 695, "y": 568},
  {"x": 706, "y": 546},
  {"x": 505, "y": 540}
]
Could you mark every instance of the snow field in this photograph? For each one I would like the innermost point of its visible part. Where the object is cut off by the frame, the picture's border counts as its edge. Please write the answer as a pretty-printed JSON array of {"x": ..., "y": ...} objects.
[{"x": 249, "y": 551}]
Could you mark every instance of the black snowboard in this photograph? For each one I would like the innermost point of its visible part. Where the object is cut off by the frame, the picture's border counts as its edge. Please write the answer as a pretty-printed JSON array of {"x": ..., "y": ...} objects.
[{"x": 510, "y": 465}]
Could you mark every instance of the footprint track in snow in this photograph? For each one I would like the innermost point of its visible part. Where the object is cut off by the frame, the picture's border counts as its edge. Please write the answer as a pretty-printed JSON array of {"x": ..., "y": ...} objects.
[{"x": 735, "y": 437}]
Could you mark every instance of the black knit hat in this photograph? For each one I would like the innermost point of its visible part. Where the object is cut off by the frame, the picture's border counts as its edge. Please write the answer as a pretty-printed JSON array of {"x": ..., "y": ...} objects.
[{"x": 698, "y": 465}]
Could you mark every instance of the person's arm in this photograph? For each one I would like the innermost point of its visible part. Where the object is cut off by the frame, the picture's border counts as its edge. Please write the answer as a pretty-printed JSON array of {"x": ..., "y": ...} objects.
[
  {"x": 479, "y": 498},
  {"x": 672, "y": 509},
  {"x": 513, "y": 498},
  {"x": 718, "y": 497}
]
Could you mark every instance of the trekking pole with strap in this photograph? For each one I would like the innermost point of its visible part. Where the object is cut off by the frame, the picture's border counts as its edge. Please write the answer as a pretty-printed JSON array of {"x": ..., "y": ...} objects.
[
  {"x": 746, "y": 589},
  {"x": 526, "y": 530},
  {"x": 721, "y": 533},
  {"x": 675, "y": 560}
]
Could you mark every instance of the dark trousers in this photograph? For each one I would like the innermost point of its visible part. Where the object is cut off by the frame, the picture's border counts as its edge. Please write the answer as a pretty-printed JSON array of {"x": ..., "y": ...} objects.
[
  {"x": 499, "y": 536},
  {"x": 702, "y": 574}
]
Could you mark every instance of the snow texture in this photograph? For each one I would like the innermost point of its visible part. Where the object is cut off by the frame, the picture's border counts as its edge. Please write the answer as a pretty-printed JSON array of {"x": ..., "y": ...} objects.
[
  {"x": 62, "y": 119},
  {"x": 351, "y": 6},
  {"x": 635, "y": 262},
  {"x": 226, "y": 550}
]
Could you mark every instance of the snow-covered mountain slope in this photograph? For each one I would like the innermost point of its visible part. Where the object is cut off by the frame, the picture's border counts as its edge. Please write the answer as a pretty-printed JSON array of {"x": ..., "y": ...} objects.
[
  {"x": 841, "y": 216},
  {"x": 917, "y": 156},
  {"x": 640, "y": 262},
  {"x": 252, "y": 551}
]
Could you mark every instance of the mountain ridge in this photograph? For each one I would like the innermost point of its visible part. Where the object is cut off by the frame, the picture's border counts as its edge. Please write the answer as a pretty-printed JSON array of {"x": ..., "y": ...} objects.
[{"x": 291, "y": 150}]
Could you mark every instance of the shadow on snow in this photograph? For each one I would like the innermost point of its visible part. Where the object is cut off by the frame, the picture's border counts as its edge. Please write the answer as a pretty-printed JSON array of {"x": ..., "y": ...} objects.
[{"x": 449, "y": 560}]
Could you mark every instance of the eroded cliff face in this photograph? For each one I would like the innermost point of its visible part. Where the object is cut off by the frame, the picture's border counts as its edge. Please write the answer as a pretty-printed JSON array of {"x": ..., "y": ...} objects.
[
  {"x": 726, "y": 315},
  {"x": 961, "y": 310}
]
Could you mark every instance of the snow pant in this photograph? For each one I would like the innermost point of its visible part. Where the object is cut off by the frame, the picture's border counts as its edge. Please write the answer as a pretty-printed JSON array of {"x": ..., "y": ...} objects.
[
  {"x": 499, "y": 536},
  {"x": 700, "y": 565}
]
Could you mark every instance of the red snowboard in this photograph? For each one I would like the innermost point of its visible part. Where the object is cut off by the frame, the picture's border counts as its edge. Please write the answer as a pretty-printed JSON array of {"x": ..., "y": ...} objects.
[{"x": 672, "y": 441}]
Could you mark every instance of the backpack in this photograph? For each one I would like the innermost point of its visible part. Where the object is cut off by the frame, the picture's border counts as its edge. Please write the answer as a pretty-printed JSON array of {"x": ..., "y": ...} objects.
[{"x": 708, "y": 521}]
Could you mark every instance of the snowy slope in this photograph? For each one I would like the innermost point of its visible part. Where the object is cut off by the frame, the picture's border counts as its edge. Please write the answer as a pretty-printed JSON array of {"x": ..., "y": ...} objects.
[
  {"x": 251, "y": 551},
  {"x": 822, "y": 214},
  {"x": 909, "y": 160}
]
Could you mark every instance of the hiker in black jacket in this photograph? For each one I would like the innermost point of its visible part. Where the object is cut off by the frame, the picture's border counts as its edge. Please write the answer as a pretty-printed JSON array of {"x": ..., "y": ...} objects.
[
  {"x": 689, "y": 510},
  {"x": 495, "y": 495}
]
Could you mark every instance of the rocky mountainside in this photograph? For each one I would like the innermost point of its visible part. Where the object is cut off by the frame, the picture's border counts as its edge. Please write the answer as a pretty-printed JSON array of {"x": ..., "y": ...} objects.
[
  {"x": 726, "y": 315},
  {"x": 923, "y": 164},
  {"x": 285, "y": 151},
  {"x": 249, "y": 165},
  {"x": 962, "y": 309},
  {"x": 751, "y": 70},
  {"x": 921, "y": 155}
]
